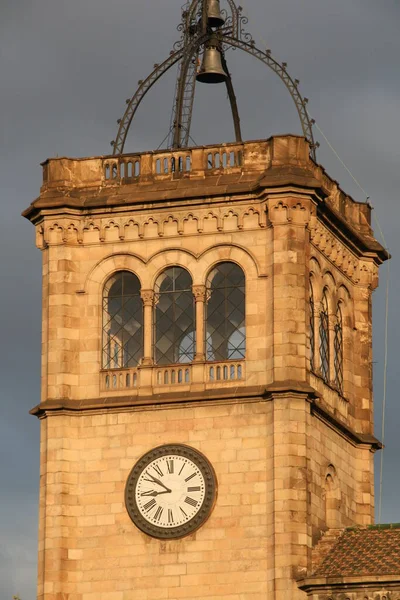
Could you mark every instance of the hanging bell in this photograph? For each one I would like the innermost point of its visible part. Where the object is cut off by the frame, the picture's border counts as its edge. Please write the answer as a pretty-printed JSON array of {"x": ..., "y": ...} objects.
[
  {"x": 214, "y": 16},
  {"x": 211, "y": 70}
]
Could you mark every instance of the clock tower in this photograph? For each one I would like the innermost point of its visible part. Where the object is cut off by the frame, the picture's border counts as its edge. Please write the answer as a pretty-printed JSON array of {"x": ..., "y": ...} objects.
[{"x": 206, "y": 410}]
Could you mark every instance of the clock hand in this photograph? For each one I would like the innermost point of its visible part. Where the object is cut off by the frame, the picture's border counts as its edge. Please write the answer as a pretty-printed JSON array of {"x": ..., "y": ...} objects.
[
  {"x": 154, "y": 493},
  {"x": 155, "y": 480}
]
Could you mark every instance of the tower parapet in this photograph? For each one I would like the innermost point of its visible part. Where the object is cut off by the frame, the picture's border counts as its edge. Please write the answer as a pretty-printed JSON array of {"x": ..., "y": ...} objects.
[{"x": 142, "y": 176}]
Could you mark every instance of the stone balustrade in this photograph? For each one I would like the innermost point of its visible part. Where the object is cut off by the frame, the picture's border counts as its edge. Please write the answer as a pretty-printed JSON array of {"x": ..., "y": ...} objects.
[
  {"x": 175, "y": 375},
  {"x": 225, "y": 371},
  {"x": 165, "y": 164},
  {"x": 120, "y": 381},
  {"x": 116, "y": 380}
]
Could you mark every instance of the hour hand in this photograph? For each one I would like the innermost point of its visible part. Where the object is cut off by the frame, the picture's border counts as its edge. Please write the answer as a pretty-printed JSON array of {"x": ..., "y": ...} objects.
[
  {"x": 150, "y": 493},
  {"x": 154, "y": 493}
]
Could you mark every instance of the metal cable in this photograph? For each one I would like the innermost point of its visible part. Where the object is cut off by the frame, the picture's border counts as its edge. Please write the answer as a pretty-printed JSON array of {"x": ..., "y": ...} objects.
[
  {"x": 384, "y": 392},
  {"x": 385, "y": 364},
  {"x": 341, "y": 162}
]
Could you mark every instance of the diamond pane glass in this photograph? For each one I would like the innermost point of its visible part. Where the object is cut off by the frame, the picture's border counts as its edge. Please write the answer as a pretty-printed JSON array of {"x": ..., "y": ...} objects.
[
  {"x": 312, "y": 330},
  {"x": 225, "y": 314},
  {"x": 324, "y": 339},
  {"x": 122, "y": 322},
  {"x": 338, "y": 349},
  {"x": 174, "y": 319}
]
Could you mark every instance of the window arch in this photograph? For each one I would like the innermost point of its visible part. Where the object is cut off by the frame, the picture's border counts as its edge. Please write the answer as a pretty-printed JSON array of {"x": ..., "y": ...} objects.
[
  {"x": 324, "y": 337},
  {"x": 174, "y": 318},
  {"x": 312, "y": 328},
  {"x": 225, "y": 314},
  {"x": 333, "y": 499},
  {"x": 122, "y": 321},
  {"x": 338, "y": 349}
]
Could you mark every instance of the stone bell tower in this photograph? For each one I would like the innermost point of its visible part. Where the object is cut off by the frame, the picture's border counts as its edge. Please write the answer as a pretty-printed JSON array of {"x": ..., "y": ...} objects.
[{"x": 206, "y": 409}]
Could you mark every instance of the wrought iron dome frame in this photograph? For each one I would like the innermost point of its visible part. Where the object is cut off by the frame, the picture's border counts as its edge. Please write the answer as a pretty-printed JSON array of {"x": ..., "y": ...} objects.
[{"x": 186, "y": 51}]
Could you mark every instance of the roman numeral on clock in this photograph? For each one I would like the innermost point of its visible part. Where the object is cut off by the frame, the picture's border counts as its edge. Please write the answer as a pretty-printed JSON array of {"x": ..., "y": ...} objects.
[
  {"x": 191, "y": 501},
  {"x": 158, "y": 513},
  {"x": 191, "y": 476},
  {"x": 170, "y": 466},
  {"x": 170, "y": 516},
  {"x": 194, "y": 489},
  {"x": 158, "y": 470},
  {"x": 149, "y": 505}
]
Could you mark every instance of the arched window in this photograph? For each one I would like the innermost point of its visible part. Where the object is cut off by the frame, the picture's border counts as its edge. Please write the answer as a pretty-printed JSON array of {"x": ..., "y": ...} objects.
[
  {"x": 312, "y": 329},
  {"x": 324, "y": 338},
  {"x": 333, "y": 499},
  {"x": 225, "y": 319},
  {"x": 122, "y": 321},
  {"x": 174, "y": 319},
  {"x": 338, "y": 350}
]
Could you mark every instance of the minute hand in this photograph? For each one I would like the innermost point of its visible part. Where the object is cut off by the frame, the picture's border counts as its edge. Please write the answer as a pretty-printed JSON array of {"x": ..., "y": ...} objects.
[{"x": 159, "y": 482}]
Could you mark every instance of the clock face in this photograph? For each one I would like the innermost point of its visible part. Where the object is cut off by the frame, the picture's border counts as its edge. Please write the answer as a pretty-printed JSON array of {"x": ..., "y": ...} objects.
[{"x": 170, "y": 491}]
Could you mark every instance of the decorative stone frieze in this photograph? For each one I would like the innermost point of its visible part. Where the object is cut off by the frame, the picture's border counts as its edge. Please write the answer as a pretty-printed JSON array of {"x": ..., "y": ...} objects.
[
  {"x": 289, "y": 209},
  {"x": 335, "y": 251},
  {"x": 126, "y": 228}
]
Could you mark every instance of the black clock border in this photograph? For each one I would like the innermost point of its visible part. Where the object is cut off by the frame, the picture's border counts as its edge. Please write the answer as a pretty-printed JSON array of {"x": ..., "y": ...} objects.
[{"x": 209, "y": 497}]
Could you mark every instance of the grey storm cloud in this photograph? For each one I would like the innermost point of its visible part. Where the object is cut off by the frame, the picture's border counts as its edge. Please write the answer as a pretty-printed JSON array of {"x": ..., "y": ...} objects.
[{"x": 66, "y": 69}]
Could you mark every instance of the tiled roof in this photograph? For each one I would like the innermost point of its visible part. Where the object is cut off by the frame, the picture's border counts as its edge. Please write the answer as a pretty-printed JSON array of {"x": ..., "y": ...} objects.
[{"x": 373, "y": 550}]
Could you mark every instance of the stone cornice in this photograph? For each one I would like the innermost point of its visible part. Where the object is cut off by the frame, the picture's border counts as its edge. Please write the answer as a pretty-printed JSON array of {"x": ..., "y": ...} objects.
[
  {"x": 347, "y": 432},
  {"x": 359, "y": 243},
  {"x": 204, "y": 175},
  {"x": 172, "y": 399},
  {"x": 154, "y": 401},
  {"x": 69, "y": 224},
  {"x": 272, "y": 392}
]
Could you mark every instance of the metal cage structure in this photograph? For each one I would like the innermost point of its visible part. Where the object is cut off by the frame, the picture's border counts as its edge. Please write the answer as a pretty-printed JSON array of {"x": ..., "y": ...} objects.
[{"x": 197, "y": 33}]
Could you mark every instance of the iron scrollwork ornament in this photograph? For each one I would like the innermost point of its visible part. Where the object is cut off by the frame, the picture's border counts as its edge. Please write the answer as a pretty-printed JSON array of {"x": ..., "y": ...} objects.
[{"x": 197, "y": 28}]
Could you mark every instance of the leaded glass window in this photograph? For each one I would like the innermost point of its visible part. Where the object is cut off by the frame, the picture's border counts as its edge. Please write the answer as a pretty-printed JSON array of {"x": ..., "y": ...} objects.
[
  {"x": 174, "y": 319},
  {"x": 122, "y": 321},
  {"x": 338, "y": 350},
  {"x": 225, "y": 314},
  {"x": 324, "y": 338},
  {"x": 312, "y": 329}
]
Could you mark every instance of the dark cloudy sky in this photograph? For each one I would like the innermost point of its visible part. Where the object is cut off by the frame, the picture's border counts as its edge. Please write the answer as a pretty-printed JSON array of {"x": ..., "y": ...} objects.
[{"x": 66, "y": 68}]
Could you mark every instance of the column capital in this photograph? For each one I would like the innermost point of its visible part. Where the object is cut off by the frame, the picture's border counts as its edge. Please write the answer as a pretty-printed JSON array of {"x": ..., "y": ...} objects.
[
  {"x": 200, "y": 296},
  {"x": 199, "y": 293},
  {"x": 147, "y": 297}
]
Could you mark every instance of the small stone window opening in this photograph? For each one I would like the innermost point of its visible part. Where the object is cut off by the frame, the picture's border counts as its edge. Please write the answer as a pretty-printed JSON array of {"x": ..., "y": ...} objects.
[
  {"x": 333, "y": 499},
  {"x": 225, "y": 313},
  {"x": 338, "y": 350},
  {"x": 324, "y": 338},
  {"x": 174, "y": 318},
  {"x": 312, "y": 329},
  {"x": 122, "y": 322}
]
